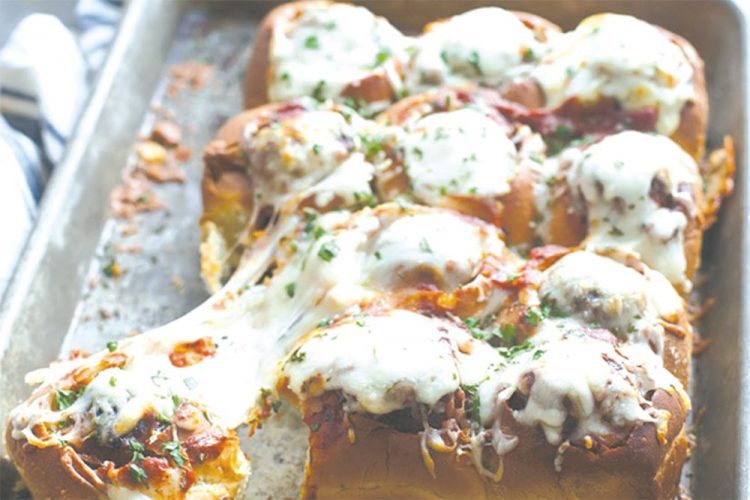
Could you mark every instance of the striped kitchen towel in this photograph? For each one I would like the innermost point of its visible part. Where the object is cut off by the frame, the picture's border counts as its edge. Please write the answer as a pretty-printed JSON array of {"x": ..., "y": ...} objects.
[{"x": 46, "y": 72}]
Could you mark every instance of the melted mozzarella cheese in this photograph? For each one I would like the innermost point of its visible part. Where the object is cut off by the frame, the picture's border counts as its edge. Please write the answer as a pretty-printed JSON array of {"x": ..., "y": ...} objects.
[
  {"x": 445, "y": 247},
  {"x": 388, "y": 362},
  {"x": 615, "y": 178},
  {"x": 568, "y": 374},
  {"x": 290, "y": 155},
  {"x": 328, "y": 47},
  {"x": 461, "y": 153},
  {"x": 350, "y": 182},
  {"x": 117, "y": 398},
  {"x": 599, "y": 290},
  {"x": 621, "y": 57},
  {"x": 489, "y": 45}
]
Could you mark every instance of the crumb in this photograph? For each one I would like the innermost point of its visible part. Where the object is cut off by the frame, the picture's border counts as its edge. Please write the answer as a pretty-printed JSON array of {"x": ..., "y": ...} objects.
[
  {"x": 78, "y": 353},
  {"x": 105, "y": 313},
  {"x": 113, "y": 269},
  {"x": 191, "y": 74},
  {"x": 133, "y": 195},
  {"x": 151, "y": 152},
  {"x": 166, "y": 133},
  {"x": 168, "y": 171},
  {"x": 178, "y": 283},
  {"x": 183, "y": 153},
  {"x": 132, "y": 249},
  {"x": 129, "y": 230}
]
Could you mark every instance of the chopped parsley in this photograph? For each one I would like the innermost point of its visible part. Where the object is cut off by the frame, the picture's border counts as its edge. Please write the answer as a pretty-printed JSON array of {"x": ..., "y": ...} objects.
[
  {"x": 424, "y": 245},
  {"x": 290, "y": 289},
  {"x": 364, "y": 199},
  {"x": 65, "y": 399},
  {"x": 444, "y": 56},
  {"x": 173, "y": 448},
  {"x": 175, "y": 400},
  {"x": 297, "y": 356},
  {"x": 508, "y": 332},
  {"x": 511, "y": 352},
  {"x": 474, "y": 61},
  {"x": 472, "y": 393},
  {"x": 372, "y": 145},
  {"x": 328, "y": 251},
  {"x": 381, "y": 57},
  {"x": 315, "y": 427},
  {"x": 615, "y": 231},
  {"x": 285, "y": 77},
  {"x": 112, "y": 346},
  {"x": 563, "y": 132},
  {"x": 316, "y": 149},
  {"x": 529, "y": 55},
  {"x": 325, "y": 322},
  {"x": 318, "y": 232},
  {"x": 138, "y": 451},
  {"x": 311, "y": 42},
  {"x": 538, "y": 354},
  {"x": 139, "y": 475},
  {"x": 112, "y": 381},
  {"x": 533, "y": 317},
  {"x": 378, "y": 255},
  {"x": 318, "y": 92}
]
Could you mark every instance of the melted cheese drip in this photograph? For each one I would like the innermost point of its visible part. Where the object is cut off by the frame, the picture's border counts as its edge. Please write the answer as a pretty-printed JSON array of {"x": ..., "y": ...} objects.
[
  {"x": 605, "y": 390},
  {"x": 461, "y": 153},
  {"x": 622, "y": 57},
  {"x": 350, "y": 182},
  {"x": 614, "y": 177},
  {"x": 372, "y": 359},
  {"x": 328, "y": 47},
  {"x": 599, "y": 290},
  {"x": 490, "y": 46},
  {"x": 329, "y": 271}
]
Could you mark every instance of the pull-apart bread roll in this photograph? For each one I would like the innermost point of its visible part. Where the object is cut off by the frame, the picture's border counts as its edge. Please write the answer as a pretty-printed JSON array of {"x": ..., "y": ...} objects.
[
  {"x": 144, "y": 417},
  {"x": 630, "y": 193},
  {"x": 274, "y": 160},
  {"x": 451, "y": 148},
  {"x": 490, "y": 47},
  {"x": 324, "y": 50},
  {"x": 156, "y": 414},
  {"x": 653, "y": 75},
  {"x": 408, "y": 404},
  {"x": 633, "y": 193}
]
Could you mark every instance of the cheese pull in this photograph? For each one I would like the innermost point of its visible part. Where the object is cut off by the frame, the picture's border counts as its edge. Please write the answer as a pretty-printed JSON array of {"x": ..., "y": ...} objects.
[{"x": 155, "y": 414}]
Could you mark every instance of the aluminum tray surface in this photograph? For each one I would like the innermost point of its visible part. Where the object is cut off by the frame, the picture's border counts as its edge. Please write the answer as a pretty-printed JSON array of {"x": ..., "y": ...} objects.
[{"x": 51, "y": 307}]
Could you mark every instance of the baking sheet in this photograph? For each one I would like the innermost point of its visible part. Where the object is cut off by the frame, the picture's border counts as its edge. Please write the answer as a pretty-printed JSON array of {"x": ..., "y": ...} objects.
[{"x": 52, "y": 306}]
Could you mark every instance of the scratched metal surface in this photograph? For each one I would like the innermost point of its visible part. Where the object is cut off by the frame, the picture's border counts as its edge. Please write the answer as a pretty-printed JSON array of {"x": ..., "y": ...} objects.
[{"x": 51, "y": 307}]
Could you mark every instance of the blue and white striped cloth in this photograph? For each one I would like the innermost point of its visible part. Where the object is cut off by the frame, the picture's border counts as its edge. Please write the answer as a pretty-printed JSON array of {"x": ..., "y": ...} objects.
[{"x": 46, "y": 72}]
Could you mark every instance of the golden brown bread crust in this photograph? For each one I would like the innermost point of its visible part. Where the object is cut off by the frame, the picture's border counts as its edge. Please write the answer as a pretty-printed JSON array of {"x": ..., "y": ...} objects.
[
  {"x": 691, "y": 133},
  {"x": 53, "y": 472},
  {"x": 61, "y": 471},
  {"x": 259, "y": 67},
  {"x": 384, "y": 462},
  {"x": 373, "y": 88}
]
